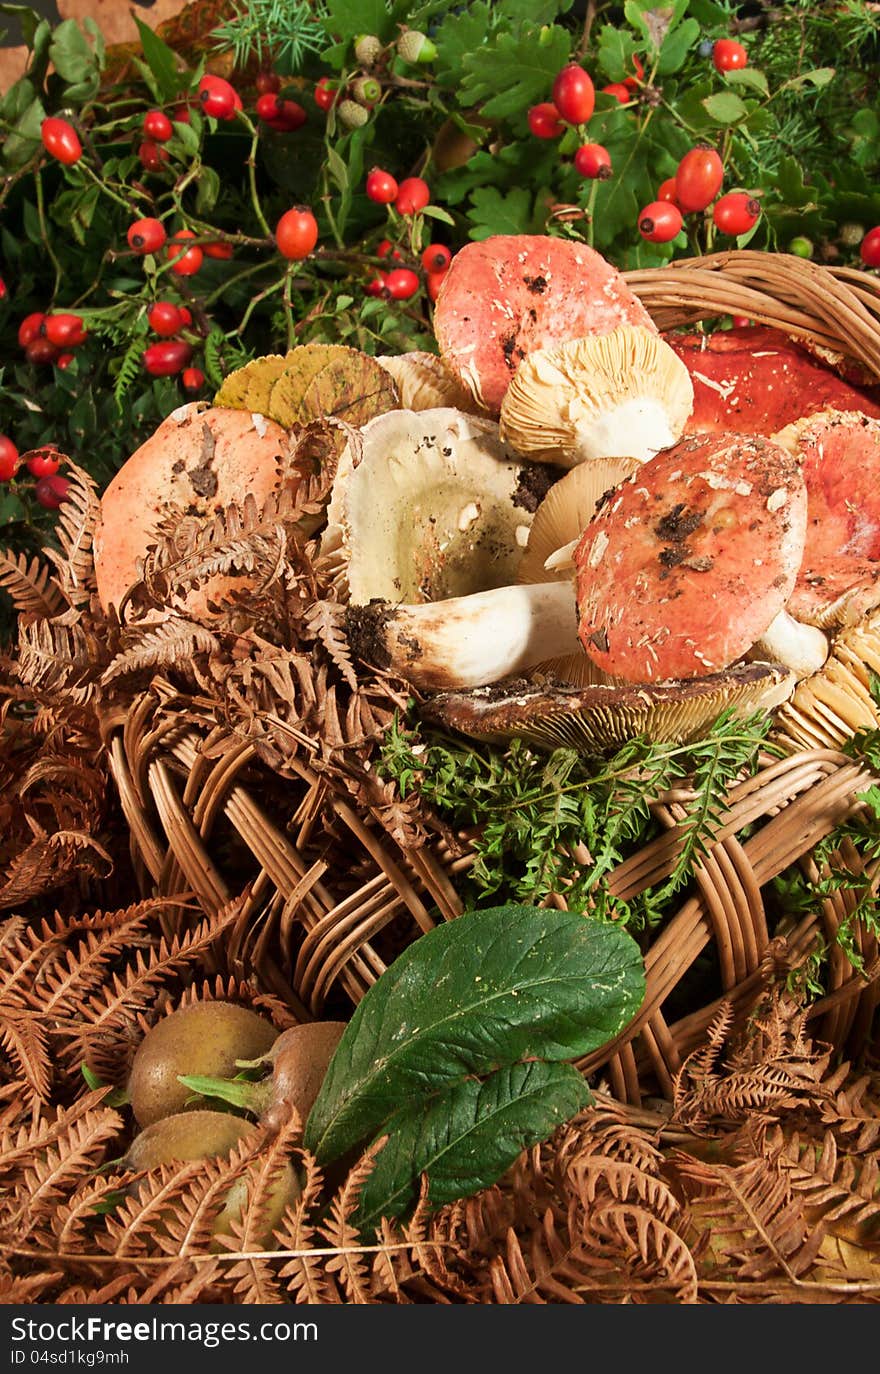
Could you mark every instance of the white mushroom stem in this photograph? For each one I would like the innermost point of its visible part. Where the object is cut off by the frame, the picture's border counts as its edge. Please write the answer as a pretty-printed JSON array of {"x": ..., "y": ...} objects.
[
  {"x": 802, "y": 648},
  {"x": 470, "y": 641},
  {"x": 636, "y": 428}
]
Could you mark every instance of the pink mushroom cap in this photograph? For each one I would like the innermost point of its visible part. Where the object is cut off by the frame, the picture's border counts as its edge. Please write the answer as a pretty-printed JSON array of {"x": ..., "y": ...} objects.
[
  {"x": 839, "y": 453},
  {"x": 512, "y": 293},
  {"x": 688, "y": 562},
  {"x": 755, "y": 380}
]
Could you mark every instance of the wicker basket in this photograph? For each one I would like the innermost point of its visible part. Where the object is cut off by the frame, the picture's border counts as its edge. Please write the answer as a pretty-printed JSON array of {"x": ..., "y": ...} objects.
[{"x": 325, "y": 918}]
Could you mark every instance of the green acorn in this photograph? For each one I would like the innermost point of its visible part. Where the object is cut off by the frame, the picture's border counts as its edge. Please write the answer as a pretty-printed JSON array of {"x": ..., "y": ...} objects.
[
  {"x": 351, "y": 114},
  {"x": 367, "y": 91},
  {"x": 367, "y": 49},
  {"x": 413, "y": 46}
]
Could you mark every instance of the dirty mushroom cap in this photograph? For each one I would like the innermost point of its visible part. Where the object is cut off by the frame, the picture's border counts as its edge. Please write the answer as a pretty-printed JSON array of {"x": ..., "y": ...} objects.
[
  {"x": 755, "y": 380},
  {"x": 198, "y": 462},
  {"x": 839, "y": 453},
  {"x": 620, "y": 394},
  {"x": 510, "y": 294},
  {"x": 602, "y": 716},
  {"x": 687, "y": 564},
  {"x": 424, "y": 382},
  {"x": 430, "y": 505}
]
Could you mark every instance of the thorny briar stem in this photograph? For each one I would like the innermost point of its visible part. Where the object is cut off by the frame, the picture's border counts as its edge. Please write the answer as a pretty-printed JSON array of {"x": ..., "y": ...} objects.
[
  {"x": 288, "y": 304},
  {"x": 251, "y": 164},
  {"x": 44, "y": 232},
  {"x": 252, "y": 305},
  {"x": 105, "y": 188},
  {"x": 326, "y": 197},
  {"x": 233, "y": 280},
  {"x": 591, "y": 209}
]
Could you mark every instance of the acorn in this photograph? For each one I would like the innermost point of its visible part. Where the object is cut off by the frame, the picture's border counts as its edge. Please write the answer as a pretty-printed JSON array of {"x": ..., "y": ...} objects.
[
  {"x": 367, "y": 49},
  {"x": 366, "y": 91},
  {"x": 351, "y": 114},
  {"x": 413, "y": 46}
]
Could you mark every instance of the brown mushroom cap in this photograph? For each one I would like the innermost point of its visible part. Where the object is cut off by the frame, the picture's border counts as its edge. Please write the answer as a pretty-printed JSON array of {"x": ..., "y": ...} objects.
[
  {"x": 510, "y": 294},
  {"x": 756, "y": 380},
  {"x": 198, "y": 462},
  {"x": 839, "y": 579},
  {"x": 595, "y": 718},
  {"x": 690, "y": 560}
]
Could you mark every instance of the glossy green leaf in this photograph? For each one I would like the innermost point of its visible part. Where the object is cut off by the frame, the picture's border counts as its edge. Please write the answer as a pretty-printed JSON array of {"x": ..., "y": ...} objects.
[
  {"x": 161, "y": 61},
  {"x": 467, "y": 1135},
  {"x": 487, "y": 990},
  {"x": 676, "y": 46}
]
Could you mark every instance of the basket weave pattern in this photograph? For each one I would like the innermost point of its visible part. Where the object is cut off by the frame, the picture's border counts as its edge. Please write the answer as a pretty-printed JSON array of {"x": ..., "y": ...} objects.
[{"x": 332, "y": 903}]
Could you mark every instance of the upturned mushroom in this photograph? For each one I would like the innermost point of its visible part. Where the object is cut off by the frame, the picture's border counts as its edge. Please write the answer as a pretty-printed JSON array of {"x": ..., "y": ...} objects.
[
  {"x": 198, "y": 461},
  {"x": 839, "y": 454},
  {"x": 624, "y": 394},
  {"x": 424, "y": 382},
  {"x": 756, "y": 380},
  {"x": 510, "y": 294},
  {"x": 602, "y": 715},
  {"x": 430, "y": 505},
  {"x": 689, "y": 563}
]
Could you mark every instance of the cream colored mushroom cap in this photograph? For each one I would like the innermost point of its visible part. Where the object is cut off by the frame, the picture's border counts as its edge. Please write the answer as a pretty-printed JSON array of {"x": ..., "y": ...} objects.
[
  {"x": 424, "y": 382},
  {"x": 426, "y": 506},
  {"x": 624, "y": 394}
]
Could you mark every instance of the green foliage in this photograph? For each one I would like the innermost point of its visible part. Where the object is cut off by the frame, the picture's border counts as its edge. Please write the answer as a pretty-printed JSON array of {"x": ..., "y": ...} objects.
[
  {"x": 533, "y": 809},
  {"x": 798, "y": 127},
  {"x": 458, "y": 1052}
]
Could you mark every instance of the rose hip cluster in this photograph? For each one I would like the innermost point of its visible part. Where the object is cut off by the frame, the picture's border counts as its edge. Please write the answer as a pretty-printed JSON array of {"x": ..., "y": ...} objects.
[
  {"x": 692, "y": 190},
  {"x": 51, "y": 338},
  {"x": 700, "y": 172},
  {"x": 405, "y": 199},
  {"x": 42, "y": 464}
]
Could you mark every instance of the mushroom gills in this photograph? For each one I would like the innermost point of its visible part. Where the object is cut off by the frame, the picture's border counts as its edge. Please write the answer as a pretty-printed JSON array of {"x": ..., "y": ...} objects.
[
  {"x": 622, "y": 395},
  {"x": 593, "y": 719},
  {"x": 427, "y": 506}
]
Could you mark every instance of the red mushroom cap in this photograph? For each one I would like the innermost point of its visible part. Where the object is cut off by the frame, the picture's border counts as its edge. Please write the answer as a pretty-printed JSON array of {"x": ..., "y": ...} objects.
[
  {"x": 689, "y": 561},
  {"x": 513, "y": 293},
  {"x": 198, "y": 462},
  {"x": 756, "y": 380},
  {"x": 839, "y": 454}
]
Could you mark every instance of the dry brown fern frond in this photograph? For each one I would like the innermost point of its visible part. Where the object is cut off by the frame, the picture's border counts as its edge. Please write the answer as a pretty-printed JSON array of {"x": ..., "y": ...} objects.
[
  {"x": 50, "y": 861},
  {"x": 350, "y": 1262},
  {"x": 171, "y": 643},
  {"x": 774, "y": 1068},
  {"x": 24, "y": 1040},
  {"x": 839, "y": 1188},
  {"x": 105, "y": 1032},
  {"x": 307, "y": 1276},
  {"x": 255, "y": 1280},
  {"x": 74, "y": 530},
  {"x": 30, "y": 585},
  {"x": 49, "y": 1174},
  {"x": 325, "y": 622},
  {"x": 61, "y": 658}
]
